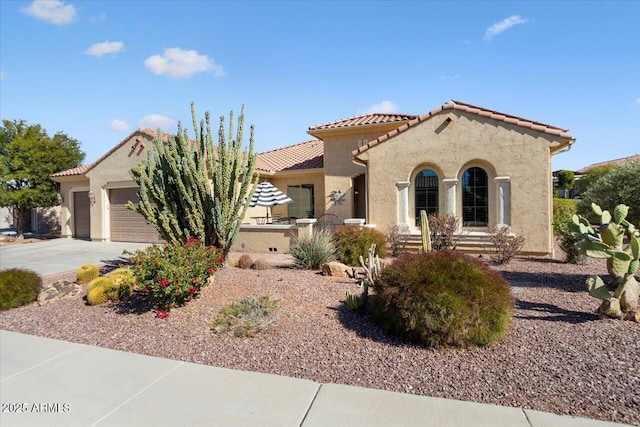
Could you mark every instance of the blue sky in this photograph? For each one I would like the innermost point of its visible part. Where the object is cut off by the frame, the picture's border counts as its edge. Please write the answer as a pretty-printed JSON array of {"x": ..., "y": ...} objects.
[{"x": 97, "y": 70}]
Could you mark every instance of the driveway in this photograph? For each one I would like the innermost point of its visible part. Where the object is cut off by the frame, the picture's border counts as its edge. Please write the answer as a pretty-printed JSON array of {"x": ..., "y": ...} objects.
[{"x": 61, "y": 255}]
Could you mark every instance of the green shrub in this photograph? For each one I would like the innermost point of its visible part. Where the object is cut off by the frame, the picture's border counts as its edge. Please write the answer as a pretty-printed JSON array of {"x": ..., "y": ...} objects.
[
  {"x": 310, "y": 252},
  {"x": 351, "y": 242},
  {"x": 592, "y": 175},
  {"x": 442, "y": 298},
  {"x": 245, "y": 262},
  {"x": 563, "y": 211},
  {"x": 86, "y": 273},
  {"x": 246, "y": 317},
  {"x": 174, "y": 274},
  {"x": 18, "y": 287},
  {"x": 619, "y": 186}
]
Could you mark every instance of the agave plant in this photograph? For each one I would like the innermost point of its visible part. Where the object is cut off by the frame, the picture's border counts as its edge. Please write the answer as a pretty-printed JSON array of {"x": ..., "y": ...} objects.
[{"x": 608, "y": 242}]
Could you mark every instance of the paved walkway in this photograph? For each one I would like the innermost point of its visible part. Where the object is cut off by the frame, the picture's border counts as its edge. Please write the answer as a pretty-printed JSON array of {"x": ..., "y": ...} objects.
[
  {"x": 59, "y": 255},
  {"x": 55, "y": 256},
  {"x": 45, "y": 382}
]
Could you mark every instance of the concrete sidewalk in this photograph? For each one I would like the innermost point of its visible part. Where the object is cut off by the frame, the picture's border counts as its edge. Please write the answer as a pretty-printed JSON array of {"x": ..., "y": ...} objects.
[{"x": 45, "y": 382}]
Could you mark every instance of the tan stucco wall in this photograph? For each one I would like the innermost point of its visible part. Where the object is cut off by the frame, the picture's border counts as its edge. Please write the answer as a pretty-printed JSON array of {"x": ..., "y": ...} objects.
[
  {"x": 113, "y": 172},
  {"x": 339, "y": 170},
  {"x": 69, "y": 185},
  {"x": 502, "y": 150},
  {"x": 264, "y": 238}
]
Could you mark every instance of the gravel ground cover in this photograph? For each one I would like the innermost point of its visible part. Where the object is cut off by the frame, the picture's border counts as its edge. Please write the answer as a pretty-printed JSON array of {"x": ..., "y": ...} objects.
[{"x": 557, "y": 356}]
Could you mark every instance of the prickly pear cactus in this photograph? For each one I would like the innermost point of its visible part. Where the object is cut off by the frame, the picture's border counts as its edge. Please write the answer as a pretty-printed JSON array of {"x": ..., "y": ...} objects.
[{"x": 608, "y": 242}]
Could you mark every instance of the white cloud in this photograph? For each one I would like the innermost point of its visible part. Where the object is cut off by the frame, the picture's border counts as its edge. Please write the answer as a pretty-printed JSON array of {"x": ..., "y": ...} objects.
[
  {"x": 504, "y": 25},
  {"x": 119, "y": 125},
  {"x": 637, "y": 99},
  {"x": 383, "y": 107},
  {"x": 181, "y": 64},
  {"x": 53, "y": 11},
  {"x": 450, "y": 77},
  {"x": 155, "y": 121},
  {"x": 103, "y": 48},
  {"x": 2, "y": 75},
  {"x": 101, "y": 17}
]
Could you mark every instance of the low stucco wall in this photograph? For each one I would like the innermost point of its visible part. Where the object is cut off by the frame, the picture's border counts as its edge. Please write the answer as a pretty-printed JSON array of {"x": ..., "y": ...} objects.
[{"x": 264, "y": 238}]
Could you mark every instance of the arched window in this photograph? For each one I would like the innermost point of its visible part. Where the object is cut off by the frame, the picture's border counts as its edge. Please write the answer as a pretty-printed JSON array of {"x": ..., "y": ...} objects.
[
  {"x": 426, "y": 193},
  {"x": 475, "y": 198}
]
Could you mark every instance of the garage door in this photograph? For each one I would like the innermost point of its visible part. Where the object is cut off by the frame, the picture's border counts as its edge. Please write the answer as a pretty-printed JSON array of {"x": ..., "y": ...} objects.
[
  {"x": 81, "y": 219},
  {"x": 127, "y": 225}
]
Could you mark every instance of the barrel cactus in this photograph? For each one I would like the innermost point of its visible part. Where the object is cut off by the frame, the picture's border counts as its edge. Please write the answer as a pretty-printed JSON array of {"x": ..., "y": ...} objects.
[
  {"x": 99, "y": 282},
  {"x": 608, "y": 242},
  {"x": 97, "y": 296},
  {"x": 123, "y": 280},
  {"x": 86, "y": 273}
]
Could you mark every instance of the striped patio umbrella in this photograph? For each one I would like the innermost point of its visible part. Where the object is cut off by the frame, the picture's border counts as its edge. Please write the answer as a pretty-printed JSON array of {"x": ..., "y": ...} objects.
[{"x": 268, "y": 195}]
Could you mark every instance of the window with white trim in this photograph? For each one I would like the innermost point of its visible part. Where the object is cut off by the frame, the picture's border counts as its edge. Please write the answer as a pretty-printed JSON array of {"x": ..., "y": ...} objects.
[
  {"x": 475, "y": 197},
  {"x": 425, "y": 193}
]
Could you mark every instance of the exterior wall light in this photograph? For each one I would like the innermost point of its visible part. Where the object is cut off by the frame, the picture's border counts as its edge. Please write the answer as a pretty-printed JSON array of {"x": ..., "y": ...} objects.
[{"x": 92, "y": 197}]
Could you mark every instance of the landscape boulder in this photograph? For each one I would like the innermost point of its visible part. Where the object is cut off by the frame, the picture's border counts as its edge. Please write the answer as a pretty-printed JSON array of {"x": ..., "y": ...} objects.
[{"x": 336, "y": 269}]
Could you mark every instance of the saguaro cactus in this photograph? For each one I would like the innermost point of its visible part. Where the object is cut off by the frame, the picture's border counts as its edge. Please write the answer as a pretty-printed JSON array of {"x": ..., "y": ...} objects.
[
  {"x": 371, "y": 267},
  {"x": 607, "y": 242},
  {"x": 425, "y": 232},
  {"x": 191, "y": 188}
]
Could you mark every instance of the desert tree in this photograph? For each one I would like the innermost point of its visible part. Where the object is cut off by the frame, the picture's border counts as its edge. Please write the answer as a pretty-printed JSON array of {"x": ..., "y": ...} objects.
[{"x": 28, "y": 158}]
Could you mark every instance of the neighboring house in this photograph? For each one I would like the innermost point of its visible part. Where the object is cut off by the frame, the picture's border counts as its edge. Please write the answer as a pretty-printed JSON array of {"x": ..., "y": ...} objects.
[
  {"x": 7, "y": 218},
  {"x": 485, "y": 167},
  {"x": 575, "y": 191},
  {"x": 41, "y": 220},
  {"x": 614, "y": 162}
]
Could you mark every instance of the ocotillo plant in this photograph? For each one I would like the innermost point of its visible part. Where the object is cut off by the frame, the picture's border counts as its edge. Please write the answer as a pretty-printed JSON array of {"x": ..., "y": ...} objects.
[
  {"x": 189, "y": 188},
  {"x": 622, "y": 261}
]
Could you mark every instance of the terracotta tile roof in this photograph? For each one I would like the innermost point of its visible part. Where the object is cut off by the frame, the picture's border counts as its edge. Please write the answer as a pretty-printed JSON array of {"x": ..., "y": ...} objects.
[
  {"x": 86, "y": 168},
  {"x": 304, "y": 155},
  {"x": 81, "y": 170},
  {"x": 615, "y": 162},
  {"x": 482, "y": 112},
  {"x": 364, "y": 119}
]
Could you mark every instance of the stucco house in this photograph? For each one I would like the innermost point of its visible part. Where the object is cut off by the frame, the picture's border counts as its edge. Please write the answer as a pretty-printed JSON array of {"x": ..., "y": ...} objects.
[{"x": 485, "y": 167}]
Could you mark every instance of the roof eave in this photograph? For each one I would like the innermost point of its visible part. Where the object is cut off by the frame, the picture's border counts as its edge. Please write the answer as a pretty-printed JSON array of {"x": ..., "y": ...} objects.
[
  {"x": 69, "y": 178},
  {"x": 345, "y": 130},
  {"x": 563, "y": 147},
  {"x": 298, "y": 172}
]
